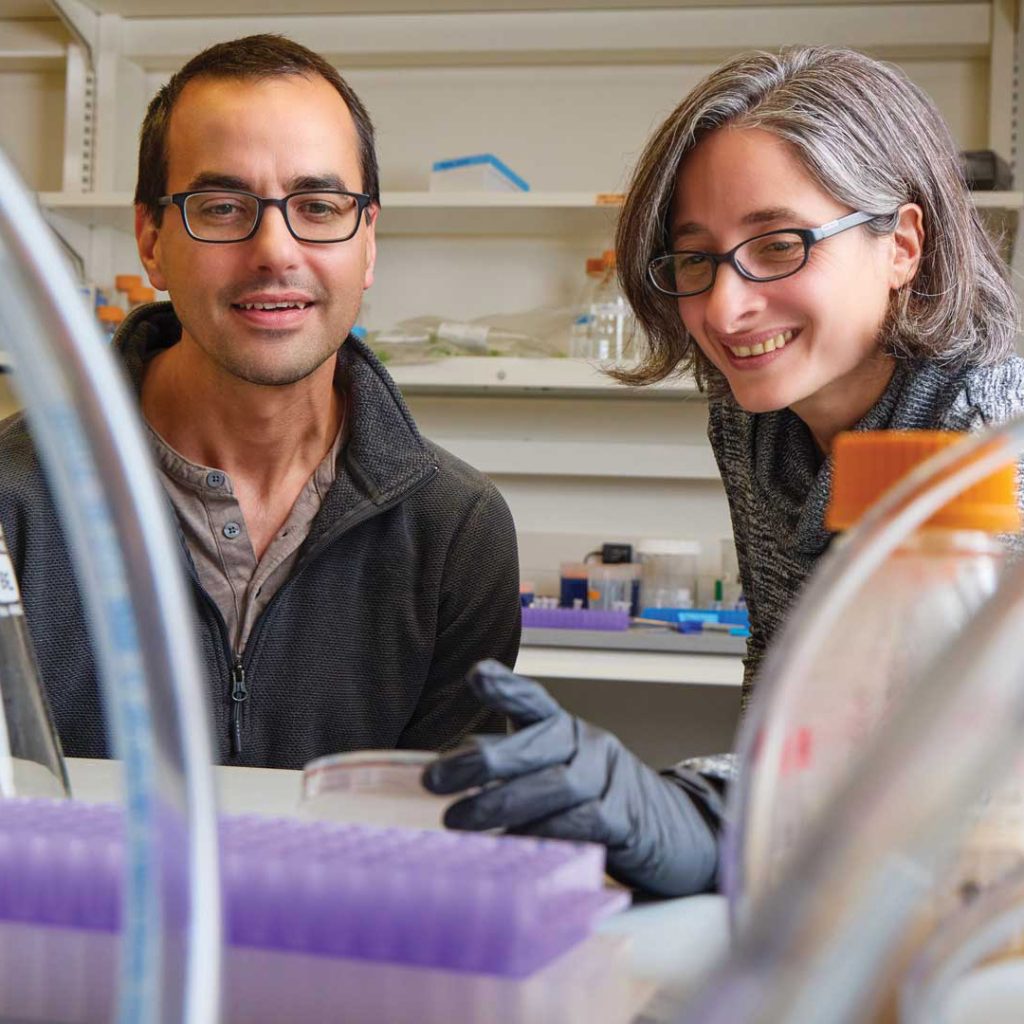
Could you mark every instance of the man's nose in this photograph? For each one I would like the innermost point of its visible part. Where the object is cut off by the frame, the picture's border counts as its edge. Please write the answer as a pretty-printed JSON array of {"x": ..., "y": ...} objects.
[{"x": 273, "y": 245}]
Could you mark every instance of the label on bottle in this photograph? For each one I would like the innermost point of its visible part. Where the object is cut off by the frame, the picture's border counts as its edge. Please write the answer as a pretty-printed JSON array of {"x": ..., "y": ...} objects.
[{"x": 472, "y": 337}]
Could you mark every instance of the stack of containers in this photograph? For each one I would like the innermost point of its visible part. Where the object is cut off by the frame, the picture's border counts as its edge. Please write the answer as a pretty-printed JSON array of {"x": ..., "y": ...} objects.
[
  {"x": 473, "y": 908},
  {"x": 911, "y": 609}
]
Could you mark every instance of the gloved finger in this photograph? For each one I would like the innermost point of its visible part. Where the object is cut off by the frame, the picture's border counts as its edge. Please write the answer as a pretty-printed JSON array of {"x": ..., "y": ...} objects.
[
  {"x": 522, "y": 699},
  {"x": 585, "y": 822},
  {"x": 490, "y": 758},
  {"x": 515, "y": 804}
]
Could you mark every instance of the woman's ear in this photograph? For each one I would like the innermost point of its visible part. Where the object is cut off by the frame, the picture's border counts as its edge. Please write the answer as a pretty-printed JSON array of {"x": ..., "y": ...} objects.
[{"x": 908, "y": 243}]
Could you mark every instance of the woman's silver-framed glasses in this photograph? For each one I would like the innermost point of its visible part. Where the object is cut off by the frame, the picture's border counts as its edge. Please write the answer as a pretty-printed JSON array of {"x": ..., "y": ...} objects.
[
  {"x": 223, "y": 215},
  {"x": 767, "y": 257}
]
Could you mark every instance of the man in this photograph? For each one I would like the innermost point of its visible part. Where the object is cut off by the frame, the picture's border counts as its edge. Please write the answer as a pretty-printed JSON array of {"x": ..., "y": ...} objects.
[{"x": 346, "y": 572}]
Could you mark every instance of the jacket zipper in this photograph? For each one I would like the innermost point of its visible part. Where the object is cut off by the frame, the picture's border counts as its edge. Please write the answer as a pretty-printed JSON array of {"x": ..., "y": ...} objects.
[
  {"x": 239, "y": 690},
  {"x": 239, "y": 695}
]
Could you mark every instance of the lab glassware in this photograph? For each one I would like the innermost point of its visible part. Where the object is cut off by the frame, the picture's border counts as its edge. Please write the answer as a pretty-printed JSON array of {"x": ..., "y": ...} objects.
[
  {"x": 99, "y": 468},
  {"x": 31, "y": 763},
  {"x": 372, "y": 787},
  {"x": 911, "y": 608}
]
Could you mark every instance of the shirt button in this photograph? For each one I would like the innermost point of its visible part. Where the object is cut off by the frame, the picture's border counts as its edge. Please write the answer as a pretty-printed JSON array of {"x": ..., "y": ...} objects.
[
  {"x": 215, "y": 478},
  {"x": 231, "y": 530}
]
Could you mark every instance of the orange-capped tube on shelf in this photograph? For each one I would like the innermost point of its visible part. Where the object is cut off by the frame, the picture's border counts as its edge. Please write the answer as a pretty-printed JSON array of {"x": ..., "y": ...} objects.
[
  {"x": 110, "y": 314},
  {"x": 609, "y": 258},
  {"x": 126, "y": 282},
  {"x": 866, "y": 464},
  {"x": 595, "y": 265},
  {"x": 140, "y": 295}
]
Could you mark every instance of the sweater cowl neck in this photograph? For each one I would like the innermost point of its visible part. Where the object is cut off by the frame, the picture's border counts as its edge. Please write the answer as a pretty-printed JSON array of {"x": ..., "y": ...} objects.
[{"x": 796, "y": 480}]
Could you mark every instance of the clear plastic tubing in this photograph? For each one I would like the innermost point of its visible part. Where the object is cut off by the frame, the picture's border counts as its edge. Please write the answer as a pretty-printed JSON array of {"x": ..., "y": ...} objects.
[
  {"x": 981, "y": 929},
  {"x": 820, "y": 940},
  {"x": 86, "y": 428}
]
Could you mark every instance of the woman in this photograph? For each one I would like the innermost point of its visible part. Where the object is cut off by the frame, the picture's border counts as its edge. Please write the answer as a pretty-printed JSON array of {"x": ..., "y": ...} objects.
[{"x": 798, "y": 234}]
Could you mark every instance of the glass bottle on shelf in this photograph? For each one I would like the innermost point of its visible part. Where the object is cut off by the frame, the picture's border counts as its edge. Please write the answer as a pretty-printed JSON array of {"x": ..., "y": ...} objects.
[
  {"x": 580, "y": 341},
  {"x": 611, "y": 320}
]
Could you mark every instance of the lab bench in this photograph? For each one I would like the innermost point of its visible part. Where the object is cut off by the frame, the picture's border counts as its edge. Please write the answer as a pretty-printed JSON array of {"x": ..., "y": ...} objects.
[{"x": 672, "y": 943}]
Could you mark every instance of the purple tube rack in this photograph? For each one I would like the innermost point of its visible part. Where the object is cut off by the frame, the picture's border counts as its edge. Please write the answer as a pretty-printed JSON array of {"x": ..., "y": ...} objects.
[
  {"x": 502, "y": 905},
  {"x": 575, "y": 618}
]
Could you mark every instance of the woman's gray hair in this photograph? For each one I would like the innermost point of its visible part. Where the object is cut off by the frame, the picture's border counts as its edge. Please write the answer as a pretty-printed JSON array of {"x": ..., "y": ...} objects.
[{"x": 873, "y": 141}]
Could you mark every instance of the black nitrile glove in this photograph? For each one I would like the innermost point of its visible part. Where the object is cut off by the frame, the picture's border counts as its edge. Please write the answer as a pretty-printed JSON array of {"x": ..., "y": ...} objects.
[{"x": 563, "y": 778}]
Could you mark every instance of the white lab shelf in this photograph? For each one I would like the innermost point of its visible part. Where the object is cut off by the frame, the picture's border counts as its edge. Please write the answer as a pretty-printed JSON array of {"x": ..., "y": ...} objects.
[
  {"x": 555, "y": 214},
  {"x": 493, "y": 36},
  {"x": 496, "y": 376},
  {"x": 410, "y": 213},
  {"x": 630, "y": 666},
  {"x": 27, "y": 44}
]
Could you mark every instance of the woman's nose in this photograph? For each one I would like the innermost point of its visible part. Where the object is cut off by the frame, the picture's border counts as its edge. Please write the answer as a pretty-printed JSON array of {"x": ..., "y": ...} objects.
[{"x": 732, "y": 300}]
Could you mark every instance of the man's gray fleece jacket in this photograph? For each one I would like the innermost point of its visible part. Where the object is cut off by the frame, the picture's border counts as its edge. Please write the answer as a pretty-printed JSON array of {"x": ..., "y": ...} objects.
[{"x": 408, "y": 577}]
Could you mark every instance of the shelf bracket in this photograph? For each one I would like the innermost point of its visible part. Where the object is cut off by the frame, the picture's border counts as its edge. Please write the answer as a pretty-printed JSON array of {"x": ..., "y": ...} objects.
[{"x": 79, "y": 95}]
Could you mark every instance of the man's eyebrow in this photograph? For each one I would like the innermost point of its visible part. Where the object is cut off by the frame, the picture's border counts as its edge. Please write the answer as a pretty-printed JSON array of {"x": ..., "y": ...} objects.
[
  {"x": 769, "y": 215},
  {"x": 300, "y": 183},
  {"x": 214, "y": 179},
  {"x": 316, "y": 183}
]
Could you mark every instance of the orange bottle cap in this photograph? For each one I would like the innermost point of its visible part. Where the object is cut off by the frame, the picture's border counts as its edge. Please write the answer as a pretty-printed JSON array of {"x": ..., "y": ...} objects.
[
  {"x": 595, "y": 265},
  {"x": 141, "y": 294},
  {"x": 866, "y": 464},
  {"x": 110, "y": 314},
  {"x": 124, "y": 282},
  {"x": 608, "y": 256}
]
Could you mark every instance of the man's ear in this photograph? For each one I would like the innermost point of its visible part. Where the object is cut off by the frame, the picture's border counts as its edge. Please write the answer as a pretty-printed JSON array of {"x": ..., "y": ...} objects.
[
  {"x": 371, "y": 243},
  {"x": 147, "y": 238},
  {"x": 908, "y": 244}
]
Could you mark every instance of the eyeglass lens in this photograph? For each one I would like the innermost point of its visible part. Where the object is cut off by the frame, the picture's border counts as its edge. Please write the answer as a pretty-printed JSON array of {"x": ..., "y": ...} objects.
[
  {"x": 313, "y": 216},
  {"x": 772, "y": 256}
]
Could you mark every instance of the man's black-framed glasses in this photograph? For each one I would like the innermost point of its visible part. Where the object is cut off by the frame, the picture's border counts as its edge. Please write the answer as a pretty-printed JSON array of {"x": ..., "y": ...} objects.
[
  {"x": 226, "y": 215},
  {"x": 767, "y": 257}
]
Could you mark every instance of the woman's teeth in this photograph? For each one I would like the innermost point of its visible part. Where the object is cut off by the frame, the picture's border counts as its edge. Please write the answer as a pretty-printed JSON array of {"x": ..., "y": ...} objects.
[{"x": 769, "y": 345}]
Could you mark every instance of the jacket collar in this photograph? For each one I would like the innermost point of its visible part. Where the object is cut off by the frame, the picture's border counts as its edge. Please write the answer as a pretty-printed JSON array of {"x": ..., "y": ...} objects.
[{"x": 385, "y": 455}]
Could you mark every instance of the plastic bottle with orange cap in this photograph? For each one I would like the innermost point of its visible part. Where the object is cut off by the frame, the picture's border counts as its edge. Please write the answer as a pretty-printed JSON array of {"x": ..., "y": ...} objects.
[
  {"x": 611, "y": 319},
  {"x": 814, "y": 723}
]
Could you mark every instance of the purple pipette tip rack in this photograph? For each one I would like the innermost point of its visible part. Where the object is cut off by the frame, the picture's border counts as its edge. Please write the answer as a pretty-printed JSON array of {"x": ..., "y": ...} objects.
[
  {"x": 575, "y": 618},
  {"x": 502, "y": 905}
]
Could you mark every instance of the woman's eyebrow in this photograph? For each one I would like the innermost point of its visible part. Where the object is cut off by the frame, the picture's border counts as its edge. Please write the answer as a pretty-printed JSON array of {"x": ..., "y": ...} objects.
[{"x": 768, "y": 215}]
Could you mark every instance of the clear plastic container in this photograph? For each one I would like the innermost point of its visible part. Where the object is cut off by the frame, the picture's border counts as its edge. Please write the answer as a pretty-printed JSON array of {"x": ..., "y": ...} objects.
[
  {"x": 728, "y": 587},
  {"x": 372, "y": 787},
  {"x": 668, "y": 576},
  {"x": 906, "y": 614},
  {"x": 610, "y": 587},
  {"x": 581, "y": 342},
  {"x": 611, "y": 319},
  {"x": 573, "y": 584}
]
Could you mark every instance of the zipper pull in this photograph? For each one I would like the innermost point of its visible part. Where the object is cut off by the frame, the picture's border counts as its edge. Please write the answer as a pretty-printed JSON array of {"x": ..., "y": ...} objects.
[{"x": 239, "y": 694}]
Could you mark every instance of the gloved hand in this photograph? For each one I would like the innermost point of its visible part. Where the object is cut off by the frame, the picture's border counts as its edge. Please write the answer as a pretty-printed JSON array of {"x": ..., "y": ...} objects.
[{"x": 563, "y": 778}]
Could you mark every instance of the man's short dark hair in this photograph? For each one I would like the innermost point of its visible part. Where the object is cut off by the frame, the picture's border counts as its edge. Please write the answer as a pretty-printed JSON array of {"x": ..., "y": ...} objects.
[{"x": 253, "y": 57}]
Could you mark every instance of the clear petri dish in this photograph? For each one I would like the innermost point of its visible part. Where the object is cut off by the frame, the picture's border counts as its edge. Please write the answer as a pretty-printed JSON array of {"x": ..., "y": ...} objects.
[{"x": 372, "y": 787}]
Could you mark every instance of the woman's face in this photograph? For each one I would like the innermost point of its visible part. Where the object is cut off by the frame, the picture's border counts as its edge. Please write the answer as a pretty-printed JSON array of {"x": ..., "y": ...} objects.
[{"x": 823, "y": 322}]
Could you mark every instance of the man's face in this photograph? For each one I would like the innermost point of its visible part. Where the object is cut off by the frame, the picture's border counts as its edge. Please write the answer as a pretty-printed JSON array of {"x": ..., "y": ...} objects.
[{"x": 270, "y": 138}]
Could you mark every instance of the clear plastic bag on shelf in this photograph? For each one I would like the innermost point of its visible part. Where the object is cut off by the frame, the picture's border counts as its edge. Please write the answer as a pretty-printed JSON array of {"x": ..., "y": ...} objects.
[{"x": 534, "y": 334}]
